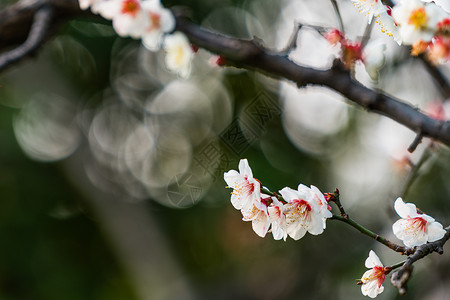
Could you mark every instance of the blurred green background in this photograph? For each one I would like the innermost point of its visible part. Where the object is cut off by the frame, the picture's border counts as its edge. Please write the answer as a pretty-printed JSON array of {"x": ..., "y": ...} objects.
[{"x": 111, "y": 168}]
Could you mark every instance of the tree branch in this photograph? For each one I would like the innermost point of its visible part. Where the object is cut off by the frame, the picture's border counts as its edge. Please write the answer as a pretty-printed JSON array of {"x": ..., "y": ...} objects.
[
  {"x": 247, "y": 54},
  {"x": 30, "y": 23},
  {"x": 41, "y": 21},
  {"x": 397, "y": 248},
  {"x": 16, "y": 20},
  {"x": 400, "y": 278}
]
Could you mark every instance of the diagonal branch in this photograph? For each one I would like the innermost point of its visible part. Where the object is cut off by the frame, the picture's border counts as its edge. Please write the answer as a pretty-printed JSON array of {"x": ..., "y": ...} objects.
[
  {"x": 41, "y": 22},
  {"x": 247, "y": 54}
]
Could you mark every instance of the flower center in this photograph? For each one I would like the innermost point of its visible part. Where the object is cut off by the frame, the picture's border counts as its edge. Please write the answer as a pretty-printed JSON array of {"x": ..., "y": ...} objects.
[
  {"x": 418, "y": 18},
  {"x": 302, "y": 209},
  {"x": 252, "y": 214},
  {"x": 246, "y": 188},
  {"x": 444, "y": 27},
  {"x": 155, "y": 20},
  {"x": 376, "y": 274},
  {"x": 130, "y": 7},
  {"x": 419, "y": 224}
]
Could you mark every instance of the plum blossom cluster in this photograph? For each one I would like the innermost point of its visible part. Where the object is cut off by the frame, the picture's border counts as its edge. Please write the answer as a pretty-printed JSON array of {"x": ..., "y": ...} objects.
[
  {"x": 292, "y": 214},
  {"x": 149, "y": 21},
  {"x": 372, "y": 56},
  {"x": 414, "y": 229},
  {"x": 425, "y": 25}
]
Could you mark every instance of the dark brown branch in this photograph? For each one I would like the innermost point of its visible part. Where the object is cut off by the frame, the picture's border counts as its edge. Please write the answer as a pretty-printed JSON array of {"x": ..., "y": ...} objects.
[
  {"x": 41, "y": 21},
  {"x": 247, "y": 54},
  {"x": 17, "y": 21},
  {"x": 400, "y": 278},
  {"x": 415, "y": 143}
]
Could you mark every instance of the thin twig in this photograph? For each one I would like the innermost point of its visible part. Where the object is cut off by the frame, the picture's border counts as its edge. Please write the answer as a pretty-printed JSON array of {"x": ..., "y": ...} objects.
[
  {"x": 338, "y": 15},
  {"x": 397, "y": 265},
  {"x": 397, "y": 248},
  {"x": 442, "y": 81},
  {"x": 415, "y": 143},
  {"x": 414, "y": 173},
  {"x": 367, "y": 32}
]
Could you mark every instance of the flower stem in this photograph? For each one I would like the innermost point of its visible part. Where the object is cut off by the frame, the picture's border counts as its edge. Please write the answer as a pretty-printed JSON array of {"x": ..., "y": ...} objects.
[
  {"x": 377, "y": 237},
  {"x": 415, "y": 172},
  {"x": 397, "y": 265},
  {"x": 344, "y": 217}
]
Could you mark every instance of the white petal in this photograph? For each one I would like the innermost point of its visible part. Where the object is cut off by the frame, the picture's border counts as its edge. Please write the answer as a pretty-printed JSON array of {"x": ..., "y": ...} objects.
[
  {"x": 167, "y": 21},
  {"x": 261, "y": 224},
  {"x": 108, "y": 9},
  {"x": 369, "y": 287},
  {"x": 233, "y": 178},
  {"x": 304, "y": 192},
  {"x": 289, "y": 194},
  {"x": 317, "y": 225},
  {"x": 152, "y": 40},
  {"x": 373, "y": 260},
  {"x": 279, "y": 231},
  {"x": 404, "y": 210},
  {"x": 84, "y": 4},
  {"x": 239, "y": 201},
  {"x": 319, "y": 194},
  {"x": 444, "y": 4},
  {"x": 435, "y": 231},
  {"x": 244, "y": 168},
  {"x": 296, "y": 232}
]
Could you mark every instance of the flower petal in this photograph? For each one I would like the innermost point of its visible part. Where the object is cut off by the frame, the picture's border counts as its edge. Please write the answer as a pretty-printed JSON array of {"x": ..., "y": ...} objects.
[
  {"x": 244, "y": 168},
  {"x": 296, "y": 232},
  {"x": 288, "y": 194},
  {"x": 435, "y": 231},
  {"x": 373, "y": 260},
  {"x": 405, "y": 210}
]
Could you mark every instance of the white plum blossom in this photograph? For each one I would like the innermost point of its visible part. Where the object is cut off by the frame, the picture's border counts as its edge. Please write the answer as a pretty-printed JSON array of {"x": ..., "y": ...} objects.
[
  {"x": 246, "y": 189},
  {"x": 417, "y": 20},
  {"x": 277, "y": 219},
  {"x": 372, "y": 280},
  {"x": 415, "y": 229},
  {"x": 302, "y": 211},
  {"x": 161, "y": 21},
  {"x": 128, "y": 16},
  {"x": 369, "y": 7},
  {"x": 179, "y": 54}
]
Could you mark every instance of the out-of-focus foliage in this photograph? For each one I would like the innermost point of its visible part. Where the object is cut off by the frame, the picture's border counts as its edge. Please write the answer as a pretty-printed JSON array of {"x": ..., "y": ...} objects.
[{"x": 96, "y": 123}]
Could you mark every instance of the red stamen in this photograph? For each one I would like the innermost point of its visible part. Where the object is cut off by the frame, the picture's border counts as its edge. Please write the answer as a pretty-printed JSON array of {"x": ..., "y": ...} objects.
[{"x": 130, "y": 7}]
